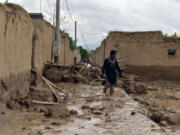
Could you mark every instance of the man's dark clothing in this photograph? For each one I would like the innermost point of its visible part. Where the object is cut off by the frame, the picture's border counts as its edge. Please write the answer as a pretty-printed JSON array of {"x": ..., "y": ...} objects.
[{"x": 109, "y": 68}]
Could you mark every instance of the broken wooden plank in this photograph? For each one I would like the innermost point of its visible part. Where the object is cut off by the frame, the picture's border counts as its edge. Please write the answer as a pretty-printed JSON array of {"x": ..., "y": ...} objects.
[
  {"x": 56, "y": 87},
  {"x": 52, "y": 89},
  {"x": 81, "y": 75},
  {"x": 43, "y": 102},
  {"x": 98, "y": 77},
  {"x": 34, "y": 89}
]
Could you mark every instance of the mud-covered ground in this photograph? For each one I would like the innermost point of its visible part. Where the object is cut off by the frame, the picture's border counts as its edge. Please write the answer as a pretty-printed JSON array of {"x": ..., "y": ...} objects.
[
  {"x": 163, "y": 104},
  {"x": 93, "y": 113}
]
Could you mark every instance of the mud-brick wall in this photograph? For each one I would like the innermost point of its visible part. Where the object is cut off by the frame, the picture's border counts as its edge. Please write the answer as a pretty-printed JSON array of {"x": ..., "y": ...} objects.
[
  {"x": 144, "y": 48},
  {"x": 146, "y": 53},
  {"x": 43, "y": 38},
  {"x": 66, "y": 54},
  {"x": 78, "y": 59},
  {"x": 100, "y": 54},
  {"x": 93, "y": 57},
  {"x": 15, "y": 50},
  {"x": 127, "y": 44},
  {"x": 43, "y": 43}
]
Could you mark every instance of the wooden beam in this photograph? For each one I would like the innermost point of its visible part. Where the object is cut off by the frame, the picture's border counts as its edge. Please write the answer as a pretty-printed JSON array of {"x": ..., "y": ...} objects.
[
  {"x": 43, "y": 102},
  {"x": 52, "y": 89}
]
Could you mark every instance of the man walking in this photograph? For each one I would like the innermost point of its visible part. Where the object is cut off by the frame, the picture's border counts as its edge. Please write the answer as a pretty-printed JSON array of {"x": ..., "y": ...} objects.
[{"x": 109, "y": 72}]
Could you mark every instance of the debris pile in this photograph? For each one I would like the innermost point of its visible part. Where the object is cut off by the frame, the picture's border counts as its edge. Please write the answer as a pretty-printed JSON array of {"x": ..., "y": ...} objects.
[
  {"x": 132, "y": 85},
  {"x": 80, "y": 73},
  {"x": 43, "y": 99}
]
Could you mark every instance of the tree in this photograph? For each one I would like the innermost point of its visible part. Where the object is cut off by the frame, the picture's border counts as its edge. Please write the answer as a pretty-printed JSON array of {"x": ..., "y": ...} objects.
[
  {"x": 72, "y": 42},
  {"x": 84, "y": 53},
  {"x": 51, "y": 13},
  {"x": 175, "y": 35},
  {"x": 6, "y": 2},
  {"x": 165, "y": 35}
]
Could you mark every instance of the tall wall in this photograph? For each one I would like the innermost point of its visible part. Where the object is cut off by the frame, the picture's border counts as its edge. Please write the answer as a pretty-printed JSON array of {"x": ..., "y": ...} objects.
[
  {"x": 66, "y": 54},
  {"x": 43, "y": 38},
  {"x": 144, "y": 48},
  {"x": 98, "y": 56},
  {"x": 145, "y": 53},
  {"x": 15, "y": 50},
  {"x": 43, "y": 41},
  {"x": 93, "y": 57},
  {"x": 78, "y": 59},
  {"x": 25, "y": 43}
]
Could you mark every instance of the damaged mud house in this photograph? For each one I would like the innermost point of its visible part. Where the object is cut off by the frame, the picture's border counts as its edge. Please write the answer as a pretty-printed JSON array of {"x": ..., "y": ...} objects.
[
  {"x": 148, "y": 54},
  {"x": 39, "y": 97}
]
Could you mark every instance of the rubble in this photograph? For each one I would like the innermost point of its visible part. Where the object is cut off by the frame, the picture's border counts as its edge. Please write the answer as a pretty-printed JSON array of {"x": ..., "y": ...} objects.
[
  {"x": 44, "y": 100},
  {"x": 131, "y": 85},
  {"x": 80, "y": 73},
  {"x": 175, "y": 118}
]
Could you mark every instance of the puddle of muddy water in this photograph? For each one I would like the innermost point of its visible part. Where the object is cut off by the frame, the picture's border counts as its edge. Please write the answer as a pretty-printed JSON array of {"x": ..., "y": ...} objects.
[{"x": 118, "y": 120}]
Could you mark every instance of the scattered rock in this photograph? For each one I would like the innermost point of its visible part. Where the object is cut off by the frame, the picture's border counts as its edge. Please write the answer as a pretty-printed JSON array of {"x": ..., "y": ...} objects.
[
  {"x": 73, "y": 112},
  {"x": 84, "y": 117},
  {"x": 175, "y": 119},
  {"x": 140, "y": 89},
  {"x": 150, "y": 88},
  {"x": 57, "y": 111},
  {"x": 156, "y": 116},
  {"x": 133, "y": 113},
  {"x": 48, "y": 128},
  {"x": 90, "y": 99},
  {"x": 97, "y": 112},
  {"x": 86, "y": 107},
  {"x": 100, "y": 108},
  {"x": 163, "y": 123},
  {"x": 36, "y": 133},
  {"x": 2, "y": 113},
  {"x": 23, "y": 128},
  {"x": 55, "y": 124}
]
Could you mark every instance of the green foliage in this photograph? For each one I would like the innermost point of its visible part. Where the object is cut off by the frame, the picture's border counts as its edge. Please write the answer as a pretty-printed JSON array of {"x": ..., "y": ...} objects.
[
  {"x": 72, "y": 42},
  {"x": 165, "y": 35},
  {"x": 92, "y": 51},
  {"x": 84, "y": 52},
  {"x": 175, "y": 35},
  {"x": 6, "y": 2}
]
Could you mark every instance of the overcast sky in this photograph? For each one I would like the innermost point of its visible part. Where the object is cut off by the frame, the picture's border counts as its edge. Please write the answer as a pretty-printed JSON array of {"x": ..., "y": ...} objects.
[{"x": 97, "y": 17}]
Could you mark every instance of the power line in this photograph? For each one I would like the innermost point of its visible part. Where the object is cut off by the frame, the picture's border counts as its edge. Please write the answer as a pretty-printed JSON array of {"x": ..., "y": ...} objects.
[
  {"x": 82, "y": 35},
  {"x": 40, "y": 6},
  {"x": 69, "y": 11}
]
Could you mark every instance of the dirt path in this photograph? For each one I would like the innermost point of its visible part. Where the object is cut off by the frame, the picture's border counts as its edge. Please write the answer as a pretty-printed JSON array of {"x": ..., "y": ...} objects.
[
  {"x": 97, "y": 114},
  {"x": 121, "y": 115},
  {"x": 163, "y": 98}
]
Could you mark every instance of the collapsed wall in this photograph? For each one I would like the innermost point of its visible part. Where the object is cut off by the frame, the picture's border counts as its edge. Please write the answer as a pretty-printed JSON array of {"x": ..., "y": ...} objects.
[
  {"x": 15, "y": 50},
  {"x": 147, "y": 54}
]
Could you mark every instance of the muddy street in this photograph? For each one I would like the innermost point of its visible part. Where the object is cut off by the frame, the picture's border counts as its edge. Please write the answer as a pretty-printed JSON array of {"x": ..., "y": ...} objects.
[
  {"x": 120, "y": 115},
  {"x": 92, "y": 113}
]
